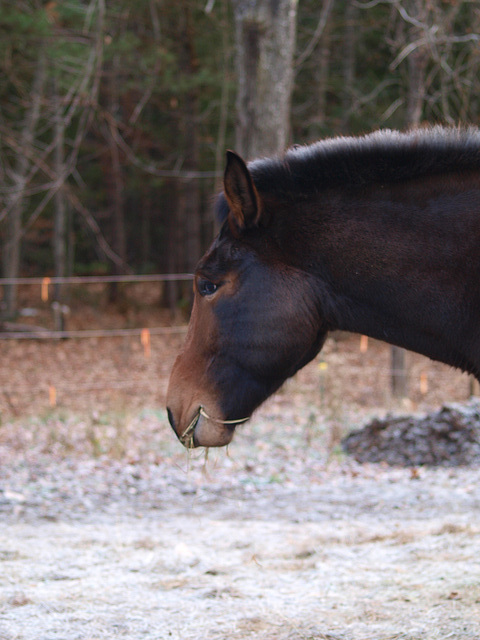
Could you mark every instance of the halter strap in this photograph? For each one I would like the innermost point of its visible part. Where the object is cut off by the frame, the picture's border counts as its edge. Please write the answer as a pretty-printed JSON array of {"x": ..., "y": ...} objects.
[
  {"x": 187, "y": 435},
  {"x": 203, "y": 413}
]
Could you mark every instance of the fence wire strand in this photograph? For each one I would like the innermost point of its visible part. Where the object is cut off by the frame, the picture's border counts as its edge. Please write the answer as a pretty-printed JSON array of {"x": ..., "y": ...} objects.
[
  {"x": 144, "y": 334},
  {"x": 46, "y": 281}
]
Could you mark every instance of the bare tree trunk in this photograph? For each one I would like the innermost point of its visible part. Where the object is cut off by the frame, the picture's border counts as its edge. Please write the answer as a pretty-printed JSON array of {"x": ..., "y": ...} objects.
[
  {"x": 399, "y": 378},
  {"x": 174, "y": 251},
  {"x": 349, "y": 59},
  {"x": 60, "y": 208},
  {"x": 265, "y": 41},
  {"x": 223, "y": 116},
  {"x": 11, "y": 248},
  {"x": 115, "y": 181},
  {"x": 416, "y": 82},
  {"x": 417, "y": 62},
  {"x": 146, "y": 228},
  {"x": 319, "y": 48},
  {"x": 188, "y": 220},
  {"x": 191, "y": 188},
  {"x": 119, "y": 234}
]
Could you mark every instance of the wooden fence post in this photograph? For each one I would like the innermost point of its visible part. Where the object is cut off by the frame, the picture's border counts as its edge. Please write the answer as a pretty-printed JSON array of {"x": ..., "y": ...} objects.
[{"x": 398, "y": 372}]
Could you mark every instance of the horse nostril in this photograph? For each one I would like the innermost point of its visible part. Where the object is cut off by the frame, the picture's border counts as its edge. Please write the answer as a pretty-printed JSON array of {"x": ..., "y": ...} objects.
[{"x": 170, "y": 419}]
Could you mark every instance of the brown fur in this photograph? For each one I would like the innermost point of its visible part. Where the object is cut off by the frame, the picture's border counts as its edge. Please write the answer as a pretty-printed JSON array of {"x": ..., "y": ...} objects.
[{"x": 379, "y": 236}]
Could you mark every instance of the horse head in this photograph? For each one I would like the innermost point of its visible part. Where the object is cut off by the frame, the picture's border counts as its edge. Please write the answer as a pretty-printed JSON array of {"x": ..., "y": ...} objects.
[{"x": 255, "y": 319}]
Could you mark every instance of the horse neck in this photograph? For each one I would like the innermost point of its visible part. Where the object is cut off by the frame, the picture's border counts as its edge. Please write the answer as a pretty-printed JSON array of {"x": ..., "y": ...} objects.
[{"x": 390, "y": 261}]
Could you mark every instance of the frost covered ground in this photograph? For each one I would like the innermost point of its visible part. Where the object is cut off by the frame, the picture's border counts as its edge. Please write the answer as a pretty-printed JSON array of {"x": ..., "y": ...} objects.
[{"x": 109, "y": 531}]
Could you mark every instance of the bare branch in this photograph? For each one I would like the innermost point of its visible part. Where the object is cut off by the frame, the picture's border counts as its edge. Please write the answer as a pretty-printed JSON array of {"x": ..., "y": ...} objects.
[
  {"x": 153, "y": 168},
  {"x": 156, "y": 69},
  {"x": 406, "y": 51},
  {"x": 93, "y": 226},
  {"x": 307, "y": 52}
]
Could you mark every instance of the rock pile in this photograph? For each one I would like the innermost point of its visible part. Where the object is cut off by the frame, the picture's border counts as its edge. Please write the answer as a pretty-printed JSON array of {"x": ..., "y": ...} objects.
[{"x": 449, "y": 437}]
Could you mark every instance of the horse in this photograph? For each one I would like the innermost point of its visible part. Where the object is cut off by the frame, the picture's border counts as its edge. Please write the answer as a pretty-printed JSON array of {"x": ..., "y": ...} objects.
[{"x": 377, "y": 235}]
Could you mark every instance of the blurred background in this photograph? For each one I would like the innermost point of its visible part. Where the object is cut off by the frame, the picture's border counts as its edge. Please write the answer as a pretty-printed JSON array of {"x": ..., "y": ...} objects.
[{"x": 114, "y": 120}]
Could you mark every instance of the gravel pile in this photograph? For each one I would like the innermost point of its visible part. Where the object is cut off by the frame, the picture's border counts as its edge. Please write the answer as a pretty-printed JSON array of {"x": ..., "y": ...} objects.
[{"x": 449, "y": 437}]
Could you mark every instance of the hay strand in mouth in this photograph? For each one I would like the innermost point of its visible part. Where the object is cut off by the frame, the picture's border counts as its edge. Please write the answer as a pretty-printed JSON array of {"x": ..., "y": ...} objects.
[{"x": 187, "y": 436}]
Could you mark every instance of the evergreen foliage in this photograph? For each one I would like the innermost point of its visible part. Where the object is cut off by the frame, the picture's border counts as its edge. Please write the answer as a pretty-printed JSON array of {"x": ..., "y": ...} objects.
[{"x": 126, "y": 109}]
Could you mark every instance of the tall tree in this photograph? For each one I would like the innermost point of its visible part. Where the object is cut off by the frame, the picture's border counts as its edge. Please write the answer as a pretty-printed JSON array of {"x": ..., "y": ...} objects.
[
  {"x": 265, "y": 46},
  {"x": 46, "y": 97},
  {"x": 350, "y": 36},
  {"x": 13, "y": 211},
  {"x": 60, "y": 202},
  {"x": 135, "y": 108}
]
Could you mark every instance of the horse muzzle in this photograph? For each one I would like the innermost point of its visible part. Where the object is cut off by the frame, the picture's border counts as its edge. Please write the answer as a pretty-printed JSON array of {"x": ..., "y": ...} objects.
[{"x": 204, "y": 431}]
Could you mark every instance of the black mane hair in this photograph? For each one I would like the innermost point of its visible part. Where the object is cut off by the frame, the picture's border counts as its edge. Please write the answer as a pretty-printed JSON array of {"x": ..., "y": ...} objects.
[{"x": 384, "y": 156}]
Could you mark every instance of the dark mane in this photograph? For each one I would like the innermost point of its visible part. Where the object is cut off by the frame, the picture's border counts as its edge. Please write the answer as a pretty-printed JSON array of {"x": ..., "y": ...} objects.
[{"x": 383, "y": 156}]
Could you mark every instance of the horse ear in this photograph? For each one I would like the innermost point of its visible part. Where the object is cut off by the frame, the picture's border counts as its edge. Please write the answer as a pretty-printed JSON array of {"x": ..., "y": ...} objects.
[{"x": 242, "y": 197}]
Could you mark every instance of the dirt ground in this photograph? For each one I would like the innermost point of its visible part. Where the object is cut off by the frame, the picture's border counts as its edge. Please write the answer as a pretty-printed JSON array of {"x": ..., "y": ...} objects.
[{"x": 109, "y": 530}]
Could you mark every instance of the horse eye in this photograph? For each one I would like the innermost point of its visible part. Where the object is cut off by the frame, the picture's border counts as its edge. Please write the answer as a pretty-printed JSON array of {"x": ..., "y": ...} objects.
[{"x": 206, "y": 287}]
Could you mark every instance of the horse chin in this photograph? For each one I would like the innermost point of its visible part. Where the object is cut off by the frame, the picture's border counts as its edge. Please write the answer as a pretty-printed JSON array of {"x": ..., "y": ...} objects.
[{"x": 211, "y": 434}]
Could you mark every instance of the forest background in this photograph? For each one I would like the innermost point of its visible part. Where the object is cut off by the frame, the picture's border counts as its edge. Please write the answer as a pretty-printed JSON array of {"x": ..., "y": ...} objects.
[{"x": 115, "y": 116}]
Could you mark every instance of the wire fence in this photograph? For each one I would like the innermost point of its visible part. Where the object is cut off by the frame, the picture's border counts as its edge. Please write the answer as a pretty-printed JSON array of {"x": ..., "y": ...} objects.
[
  {"x": 52, "y": 280},
  {"x": 47, "y": 334},
  {"x": 125, "y": 370},
  {"x": 45, "y": 283},
  {"x": 126, "y": 360}
]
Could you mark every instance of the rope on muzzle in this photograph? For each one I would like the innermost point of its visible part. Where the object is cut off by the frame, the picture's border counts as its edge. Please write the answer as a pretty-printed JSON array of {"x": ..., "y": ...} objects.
[{"x": 187, "y": 436}]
